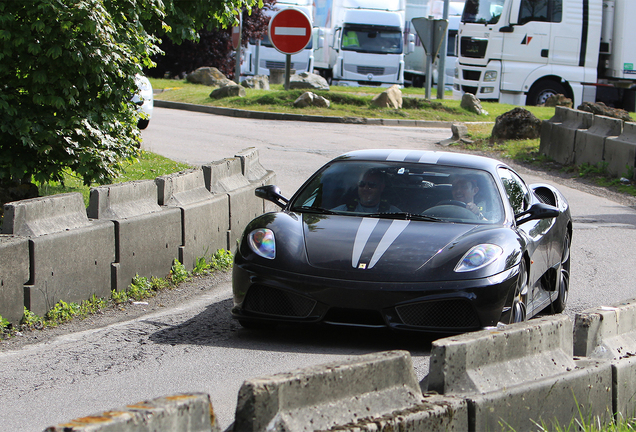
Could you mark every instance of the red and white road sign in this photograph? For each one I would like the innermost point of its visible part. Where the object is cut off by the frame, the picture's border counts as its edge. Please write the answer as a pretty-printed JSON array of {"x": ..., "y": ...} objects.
[
  {"x": 236, "y": 36},
  {"x": 290, "y": 31}
]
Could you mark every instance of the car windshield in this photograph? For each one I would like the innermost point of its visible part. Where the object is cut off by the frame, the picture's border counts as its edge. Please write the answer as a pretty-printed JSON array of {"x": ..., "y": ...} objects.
[
  {"x": 372, "y": 39},
  {"x": 482, "y": 11},
  {"x": 402, "y": 191}
]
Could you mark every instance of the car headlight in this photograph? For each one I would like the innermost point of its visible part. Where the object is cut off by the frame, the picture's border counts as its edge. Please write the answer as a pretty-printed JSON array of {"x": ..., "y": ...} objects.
[
  {"x": 478, "y": 257},
  {"x": 490, "y": 76},
  {"x": 262, "y": 243}
]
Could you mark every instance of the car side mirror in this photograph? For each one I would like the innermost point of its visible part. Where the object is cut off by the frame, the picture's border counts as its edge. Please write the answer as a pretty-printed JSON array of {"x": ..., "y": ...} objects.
[
  {"x": 537, "y": 211},
  {"x": 271, "y": 193}
]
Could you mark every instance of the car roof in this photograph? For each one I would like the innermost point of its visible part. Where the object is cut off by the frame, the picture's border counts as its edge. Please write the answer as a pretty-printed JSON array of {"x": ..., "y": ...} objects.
[{"x": 424, "y": 156}]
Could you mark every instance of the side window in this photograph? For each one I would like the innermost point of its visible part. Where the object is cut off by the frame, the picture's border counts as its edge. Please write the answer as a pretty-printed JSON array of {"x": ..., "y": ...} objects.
[
  {"x": 540, "y": 10},
  {"x": 516, "y": 190}
]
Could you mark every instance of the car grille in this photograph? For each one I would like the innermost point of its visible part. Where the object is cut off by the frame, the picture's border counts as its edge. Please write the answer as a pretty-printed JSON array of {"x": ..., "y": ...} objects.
[
  {"x": 439, "y": 314},
  {"x": 354, "y": 317},
  {"x": 272, "y": 301},
  {"x": 473, "y": 47}
]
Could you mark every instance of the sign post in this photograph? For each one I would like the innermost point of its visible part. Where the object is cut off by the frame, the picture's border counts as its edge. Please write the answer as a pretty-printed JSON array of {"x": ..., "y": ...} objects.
[
  {"x": 432, "y": 33},
  {"x": 289, "y": 31},
  {"x": 236, "y": 45}
]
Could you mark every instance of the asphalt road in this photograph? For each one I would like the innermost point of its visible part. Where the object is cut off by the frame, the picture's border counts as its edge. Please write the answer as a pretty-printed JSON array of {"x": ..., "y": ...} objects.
[{"x": 197, "y": 347}]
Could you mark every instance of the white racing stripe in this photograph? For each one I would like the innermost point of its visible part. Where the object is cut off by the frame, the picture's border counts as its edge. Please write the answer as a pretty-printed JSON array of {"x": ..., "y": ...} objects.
[
  {"x": 398, "y": 155},
  {"x": 362, "y": 236},
  {"x": 396, "y": 228},
  {"x": 290, "y": 31}
]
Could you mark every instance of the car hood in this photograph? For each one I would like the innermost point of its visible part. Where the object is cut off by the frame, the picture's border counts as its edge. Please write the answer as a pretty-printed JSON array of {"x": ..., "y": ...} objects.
[{"x": 386, "y": 246}]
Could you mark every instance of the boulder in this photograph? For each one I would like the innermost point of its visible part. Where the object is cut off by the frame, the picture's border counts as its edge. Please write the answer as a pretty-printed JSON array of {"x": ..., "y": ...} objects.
[
  {"x": 209, "y": 76},
  {"x": 558, "y": 100},
  {"x": 306, "y": 80},
  {"x": 311, "y": 99},
  {"x": 229, "y": 90},
  {"x": 390, "y": 98},
  {"x": 472, "y": 104},
  {"x": 599, "y": 108},
  {"x": 460, "y": 134},
  {"x": 258, "y": 82},
  {"x": 517, "y": 124}
]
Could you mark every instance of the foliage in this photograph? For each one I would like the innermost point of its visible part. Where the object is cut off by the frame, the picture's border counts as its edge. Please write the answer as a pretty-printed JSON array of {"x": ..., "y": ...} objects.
[
  {"x": 201, "y": 267},
  {"x": 213, "y": 47},
  {"x": 67, "y": 69},
  {"x": 140, "y": 288},
  {"x": 222, "y": 260},
  {"x": 178, "y": 273}
]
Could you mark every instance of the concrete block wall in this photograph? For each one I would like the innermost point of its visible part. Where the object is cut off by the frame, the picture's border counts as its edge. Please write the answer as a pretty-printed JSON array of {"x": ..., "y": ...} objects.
[
  {"x": 578, "y": 137},
  {"x": 53, "y": 248}
]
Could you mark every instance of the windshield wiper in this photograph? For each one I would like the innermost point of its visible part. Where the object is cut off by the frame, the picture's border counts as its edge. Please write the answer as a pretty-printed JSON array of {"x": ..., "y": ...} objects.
[
  {"x": 309, "y": 209},
  {"x": 404, "y": 216}
]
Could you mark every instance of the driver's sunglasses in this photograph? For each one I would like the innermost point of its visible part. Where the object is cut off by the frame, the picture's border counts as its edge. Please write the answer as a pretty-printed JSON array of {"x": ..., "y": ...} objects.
[{"x": 372, "y": 185}]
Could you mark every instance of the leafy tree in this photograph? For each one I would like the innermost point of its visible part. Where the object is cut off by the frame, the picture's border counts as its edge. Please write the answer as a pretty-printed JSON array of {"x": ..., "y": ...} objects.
[
  {"x": 67, "y": 72},
  {"x": 212, "y": 48}
]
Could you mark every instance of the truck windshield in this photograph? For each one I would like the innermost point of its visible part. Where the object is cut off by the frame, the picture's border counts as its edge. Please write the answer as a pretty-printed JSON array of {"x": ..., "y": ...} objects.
[
  {"x": 372, "y": 39},
  {"x": 482, "y": 11}
]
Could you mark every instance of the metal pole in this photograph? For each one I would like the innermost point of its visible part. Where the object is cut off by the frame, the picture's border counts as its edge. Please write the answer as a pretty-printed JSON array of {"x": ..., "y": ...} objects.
[
  {"x": 429, "y": 63},
  {"x": 441, "y": 67},
  {"x": 237, "y": 55},
  {"x": 287, "y": 70},
  {"x": 257, "y": 54}
]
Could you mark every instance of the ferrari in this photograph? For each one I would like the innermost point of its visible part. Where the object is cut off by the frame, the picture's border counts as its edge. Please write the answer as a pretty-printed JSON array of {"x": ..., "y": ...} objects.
[{"x": 412, "y": 240}]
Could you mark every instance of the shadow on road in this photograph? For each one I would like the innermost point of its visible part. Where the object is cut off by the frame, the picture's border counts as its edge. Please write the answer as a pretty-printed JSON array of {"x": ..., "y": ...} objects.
[{"x": 215, "y": 327}]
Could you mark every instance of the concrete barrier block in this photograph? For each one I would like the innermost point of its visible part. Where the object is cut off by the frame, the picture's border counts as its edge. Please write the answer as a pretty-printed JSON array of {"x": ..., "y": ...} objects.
[
  {"x": 620, "y": 152},
  {"x": 205, "y": 216},
  {"x": 563, "y": 136},
  {"x": 14, "y": 274},
  {"x": 184, "y": 413},
  {"x": 146, "y": 245},
  {"x": 322, "y": 397},
  {"x": 45, "y": 215},
  {"x": 624, "y": 387},
  {"x": 256, "y": 174},
  {"x": 546, "y": 129},
  {"x": 589, "y": 144},
  {"x": 123, "y": 200},
  {"x": 435, "y": 414},
  {"x": 488, "y": 360},
  {"x": 71, "y": 266},
  {"x": 583, "y": 393},
  {"x": 226, "y": 176}
]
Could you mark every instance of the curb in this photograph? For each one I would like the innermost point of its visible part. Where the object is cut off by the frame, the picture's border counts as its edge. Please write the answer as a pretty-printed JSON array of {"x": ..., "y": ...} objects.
[{"x": 264, "y": 115}]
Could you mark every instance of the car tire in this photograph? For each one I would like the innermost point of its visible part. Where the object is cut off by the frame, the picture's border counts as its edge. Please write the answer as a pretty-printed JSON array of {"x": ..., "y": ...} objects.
[
  {"x": 143, "y": 123},
  {"x": 519, "y": 310},
  {"x": 541, "y": 91},
  {"x": 563, "y": 281}
]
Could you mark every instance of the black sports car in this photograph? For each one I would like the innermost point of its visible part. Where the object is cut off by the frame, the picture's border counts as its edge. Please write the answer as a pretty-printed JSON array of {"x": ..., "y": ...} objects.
[{"x": 406, "y": 239}]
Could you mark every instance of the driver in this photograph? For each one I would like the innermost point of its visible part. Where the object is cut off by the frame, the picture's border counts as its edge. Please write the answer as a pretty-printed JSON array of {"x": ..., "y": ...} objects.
[
  {"x": 370, "y": 188},
  {"x": 464, "y": 189}
]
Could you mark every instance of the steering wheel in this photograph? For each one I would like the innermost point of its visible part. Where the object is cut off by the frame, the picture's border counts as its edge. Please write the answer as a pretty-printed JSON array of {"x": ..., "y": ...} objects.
[{"x": 452, "y": 202}]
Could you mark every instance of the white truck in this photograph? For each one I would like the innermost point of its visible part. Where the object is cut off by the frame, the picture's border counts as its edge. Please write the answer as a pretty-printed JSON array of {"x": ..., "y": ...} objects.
[
  {"x": 268, "y": 56},
  {"x": 360, "y": 42},
  {"x": 523, "y": 51},
  {"x": 415, "y": 61}
]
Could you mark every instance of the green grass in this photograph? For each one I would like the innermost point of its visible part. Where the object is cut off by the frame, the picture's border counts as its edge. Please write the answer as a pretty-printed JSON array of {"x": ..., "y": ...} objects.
[
  {"x": 147, "y": 166},
  {"x": 345, "y": 102}
]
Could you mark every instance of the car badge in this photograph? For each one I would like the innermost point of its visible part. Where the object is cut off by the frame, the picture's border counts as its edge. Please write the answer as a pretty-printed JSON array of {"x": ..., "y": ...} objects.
[
  {"x": 370, "y": 77},
  {"x": 362, "y": 266}
]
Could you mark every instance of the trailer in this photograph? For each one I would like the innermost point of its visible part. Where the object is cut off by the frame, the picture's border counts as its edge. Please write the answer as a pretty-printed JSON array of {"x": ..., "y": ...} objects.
[{"x": 521, "y": 52}]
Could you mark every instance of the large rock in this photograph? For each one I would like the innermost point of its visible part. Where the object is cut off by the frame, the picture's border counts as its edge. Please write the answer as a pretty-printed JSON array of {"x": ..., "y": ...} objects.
[
  {"x": 517, "y": 124},
  {"x": 390, "y": 98},
  {"x": 472, "y": 104},
  {"x": 258, "y": 82},
  {"x": 599, "y": 108},
  {"x": 229, "y": 90},
  {"x": 558, "y": 100},
  {"x": 311, "y": 99},
  {"x": 209, "y": 76},
  {"x": 306, "y": 80}
]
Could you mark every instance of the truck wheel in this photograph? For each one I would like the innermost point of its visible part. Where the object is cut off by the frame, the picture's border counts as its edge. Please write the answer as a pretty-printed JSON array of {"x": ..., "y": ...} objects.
[{"x": 541, "y": 91}]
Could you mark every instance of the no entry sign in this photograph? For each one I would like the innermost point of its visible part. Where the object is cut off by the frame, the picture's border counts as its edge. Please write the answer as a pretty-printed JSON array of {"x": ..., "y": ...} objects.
[{"x": 290, "y": 31}]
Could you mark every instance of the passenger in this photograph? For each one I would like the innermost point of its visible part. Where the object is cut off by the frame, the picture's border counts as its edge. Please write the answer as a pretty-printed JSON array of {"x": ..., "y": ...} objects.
[
  {"x": 369, "y": 200},
  {"x": 464, "y": 189}
]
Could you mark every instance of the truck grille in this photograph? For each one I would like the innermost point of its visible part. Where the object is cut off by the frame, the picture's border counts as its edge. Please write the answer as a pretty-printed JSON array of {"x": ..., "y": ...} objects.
[
  {"x": 275, "y": 65},
  {"x": 453, "y": 314},
  {"x": 365, "y": 70},
  {"x": 471, "y": 75},
  {"x": 266, "y": 300},
  {"x": 473, "y": 47}
]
